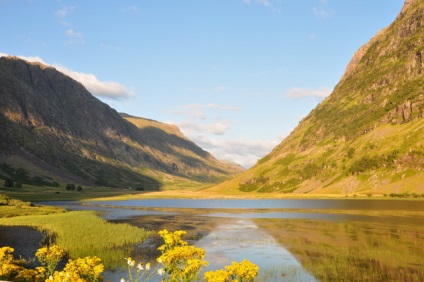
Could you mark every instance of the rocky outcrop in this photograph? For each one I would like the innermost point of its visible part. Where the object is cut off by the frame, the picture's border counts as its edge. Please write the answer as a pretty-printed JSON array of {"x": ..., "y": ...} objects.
[{"x": 406, "y": 6}]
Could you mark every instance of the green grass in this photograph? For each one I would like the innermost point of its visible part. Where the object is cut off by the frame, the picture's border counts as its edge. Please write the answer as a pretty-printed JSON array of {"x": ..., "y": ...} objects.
[
  {"x": 83, "y": 233},
  {"x": 79, "y": 233}
]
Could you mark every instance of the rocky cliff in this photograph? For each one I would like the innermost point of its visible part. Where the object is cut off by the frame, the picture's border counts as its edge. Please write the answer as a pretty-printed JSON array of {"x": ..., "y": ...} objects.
[
  {"x": 367, "y": 136},
  {"x": 51, "y": 126}
]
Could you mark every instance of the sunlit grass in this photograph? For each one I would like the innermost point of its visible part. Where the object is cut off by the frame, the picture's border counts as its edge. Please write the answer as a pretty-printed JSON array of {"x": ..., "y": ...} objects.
[{"x": 83, "y": 233}]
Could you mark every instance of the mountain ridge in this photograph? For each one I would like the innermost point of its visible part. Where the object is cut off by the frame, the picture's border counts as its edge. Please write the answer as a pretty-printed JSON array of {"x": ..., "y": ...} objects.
[
  {"x": 49, "y": 116},
  {"x": 366, "y": 136}
]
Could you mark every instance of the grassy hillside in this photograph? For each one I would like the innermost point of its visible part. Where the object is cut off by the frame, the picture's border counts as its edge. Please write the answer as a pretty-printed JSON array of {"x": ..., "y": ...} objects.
[{"x": 367, "y": 136}]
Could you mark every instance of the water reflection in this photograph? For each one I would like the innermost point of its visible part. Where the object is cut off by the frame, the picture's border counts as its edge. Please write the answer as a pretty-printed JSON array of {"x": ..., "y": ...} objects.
[
  {"x": 364, "y": 240},
  {"x": 106, "y": 212},
  {"x": 327, "y": 204},
  {"x": 242, "y": 239}
]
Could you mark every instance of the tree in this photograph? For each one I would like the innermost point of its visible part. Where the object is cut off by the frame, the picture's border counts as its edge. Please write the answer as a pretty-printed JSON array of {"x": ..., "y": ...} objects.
[
  {"x": 70, "y": 187},
  {"x": 8, "y": 182}
]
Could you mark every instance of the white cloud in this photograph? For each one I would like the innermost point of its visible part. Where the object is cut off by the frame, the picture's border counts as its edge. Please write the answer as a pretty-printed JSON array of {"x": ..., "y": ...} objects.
[
  {"x": 107, "y": 89},
  {"x": 191, "y": 128},
  {"x": 212, "y": 138},
  {"x": 242, "y": 151},
  {"x": 320, "y": 93},
  {"x": 64, "y": 11},
  {"x": 196, "y": 111},
  {"x": 320, "y": 12},
  {"x": 74, "y": 37}
]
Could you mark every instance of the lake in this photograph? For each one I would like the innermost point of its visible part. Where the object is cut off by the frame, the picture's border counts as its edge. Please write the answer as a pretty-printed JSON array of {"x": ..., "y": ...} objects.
[{"x": 290, "y": 240}]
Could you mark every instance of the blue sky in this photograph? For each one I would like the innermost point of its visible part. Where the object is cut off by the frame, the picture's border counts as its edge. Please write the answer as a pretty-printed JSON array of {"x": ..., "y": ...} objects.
[{"x": 236, "y": 76}]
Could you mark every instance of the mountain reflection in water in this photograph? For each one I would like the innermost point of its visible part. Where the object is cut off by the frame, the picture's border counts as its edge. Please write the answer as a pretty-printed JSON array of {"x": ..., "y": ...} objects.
[
  {"x": 336, "y": 240},
  {"x": 242, "y": 239}
]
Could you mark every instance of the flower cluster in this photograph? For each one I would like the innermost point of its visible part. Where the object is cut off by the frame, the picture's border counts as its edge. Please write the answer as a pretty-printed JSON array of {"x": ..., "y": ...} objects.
[
  {"x": 81, "y": 269},
  {"x": 87, "y": 269},
  {"x": 237, "y": 271},
  {"x": 49, "y": 257},
  {"x": 181, "y": 261}
]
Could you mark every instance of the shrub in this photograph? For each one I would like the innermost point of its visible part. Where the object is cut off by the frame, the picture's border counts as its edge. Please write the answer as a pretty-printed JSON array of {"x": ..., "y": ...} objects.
[
  {"x": 70, "y": 187},
  {"x": 182, "y": 262},
  {"x": 8, "y": 182}
]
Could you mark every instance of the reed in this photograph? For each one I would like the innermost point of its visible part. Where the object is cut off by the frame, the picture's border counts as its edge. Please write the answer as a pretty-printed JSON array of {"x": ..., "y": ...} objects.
[{"x": 83, "y": 233}]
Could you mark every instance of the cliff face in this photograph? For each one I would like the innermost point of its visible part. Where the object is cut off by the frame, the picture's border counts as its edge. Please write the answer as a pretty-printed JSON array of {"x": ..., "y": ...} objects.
[
  {"x": 50, "y": 123},
  {"x": 367, "y": 136}
]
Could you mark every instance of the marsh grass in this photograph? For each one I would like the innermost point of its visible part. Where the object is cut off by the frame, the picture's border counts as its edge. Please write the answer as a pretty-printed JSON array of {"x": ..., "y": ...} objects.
[
  {"x": 83, "y": 233},
  {"x": 10, "y": 207},
  {"x": 355, "y": 251}
]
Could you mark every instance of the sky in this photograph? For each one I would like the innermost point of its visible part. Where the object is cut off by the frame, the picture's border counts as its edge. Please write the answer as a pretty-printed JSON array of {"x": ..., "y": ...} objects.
[{"x": 236, "y": 76}]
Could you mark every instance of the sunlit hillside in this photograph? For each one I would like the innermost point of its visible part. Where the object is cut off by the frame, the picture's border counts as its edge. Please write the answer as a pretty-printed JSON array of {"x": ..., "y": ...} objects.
[{"x": 367, "y": 136}]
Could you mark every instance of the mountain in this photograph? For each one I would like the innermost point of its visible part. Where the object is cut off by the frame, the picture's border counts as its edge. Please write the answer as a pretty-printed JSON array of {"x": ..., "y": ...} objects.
[
  {"x": 53, "y": 130},
  {"x": 368, "y": 135}
]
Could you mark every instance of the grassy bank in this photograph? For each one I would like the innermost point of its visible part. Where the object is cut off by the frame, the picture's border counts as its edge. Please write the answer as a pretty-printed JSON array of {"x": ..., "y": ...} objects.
[{"x": 79, "y": 233}]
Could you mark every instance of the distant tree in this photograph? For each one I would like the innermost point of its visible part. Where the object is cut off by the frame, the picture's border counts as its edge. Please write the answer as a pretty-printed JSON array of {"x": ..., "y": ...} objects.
[
  {"x": 8, "y": 182},
  {"x": 79, "y": 188},
  {"x": 70, "y": 187},
  {"x": 18, "y": 184},
  {"x": 139, "y": 188},
  {"x": 21, "y": 174}
]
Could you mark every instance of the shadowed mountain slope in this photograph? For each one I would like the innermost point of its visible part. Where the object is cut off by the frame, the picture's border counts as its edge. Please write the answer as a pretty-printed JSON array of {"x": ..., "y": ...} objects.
[
  {"x": 368, "y": 135},
  {"x": 54, "y": 129}
]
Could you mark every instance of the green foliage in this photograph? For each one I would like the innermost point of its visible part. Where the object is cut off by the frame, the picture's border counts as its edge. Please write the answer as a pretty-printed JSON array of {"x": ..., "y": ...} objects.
[
  {"x": 310, "y": 170},
  {"x": 8, "y": 182},
  {"x": 351, "y": 152},
  {"x": 70, "y": 187},
  {"x": 253, "y": 184},
  {"x": 406, "y": 195},
  {"x": 364, "y": 164},
  {"x": 20, "y": 175}
]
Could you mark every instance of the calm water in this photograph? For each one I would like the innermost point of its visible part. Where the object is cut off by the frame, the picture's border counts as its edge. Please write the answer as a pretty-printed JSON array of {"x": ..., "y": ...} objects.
[
  {"x": 233, "y": 230},
  {"x": 335, "y": 204}
]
